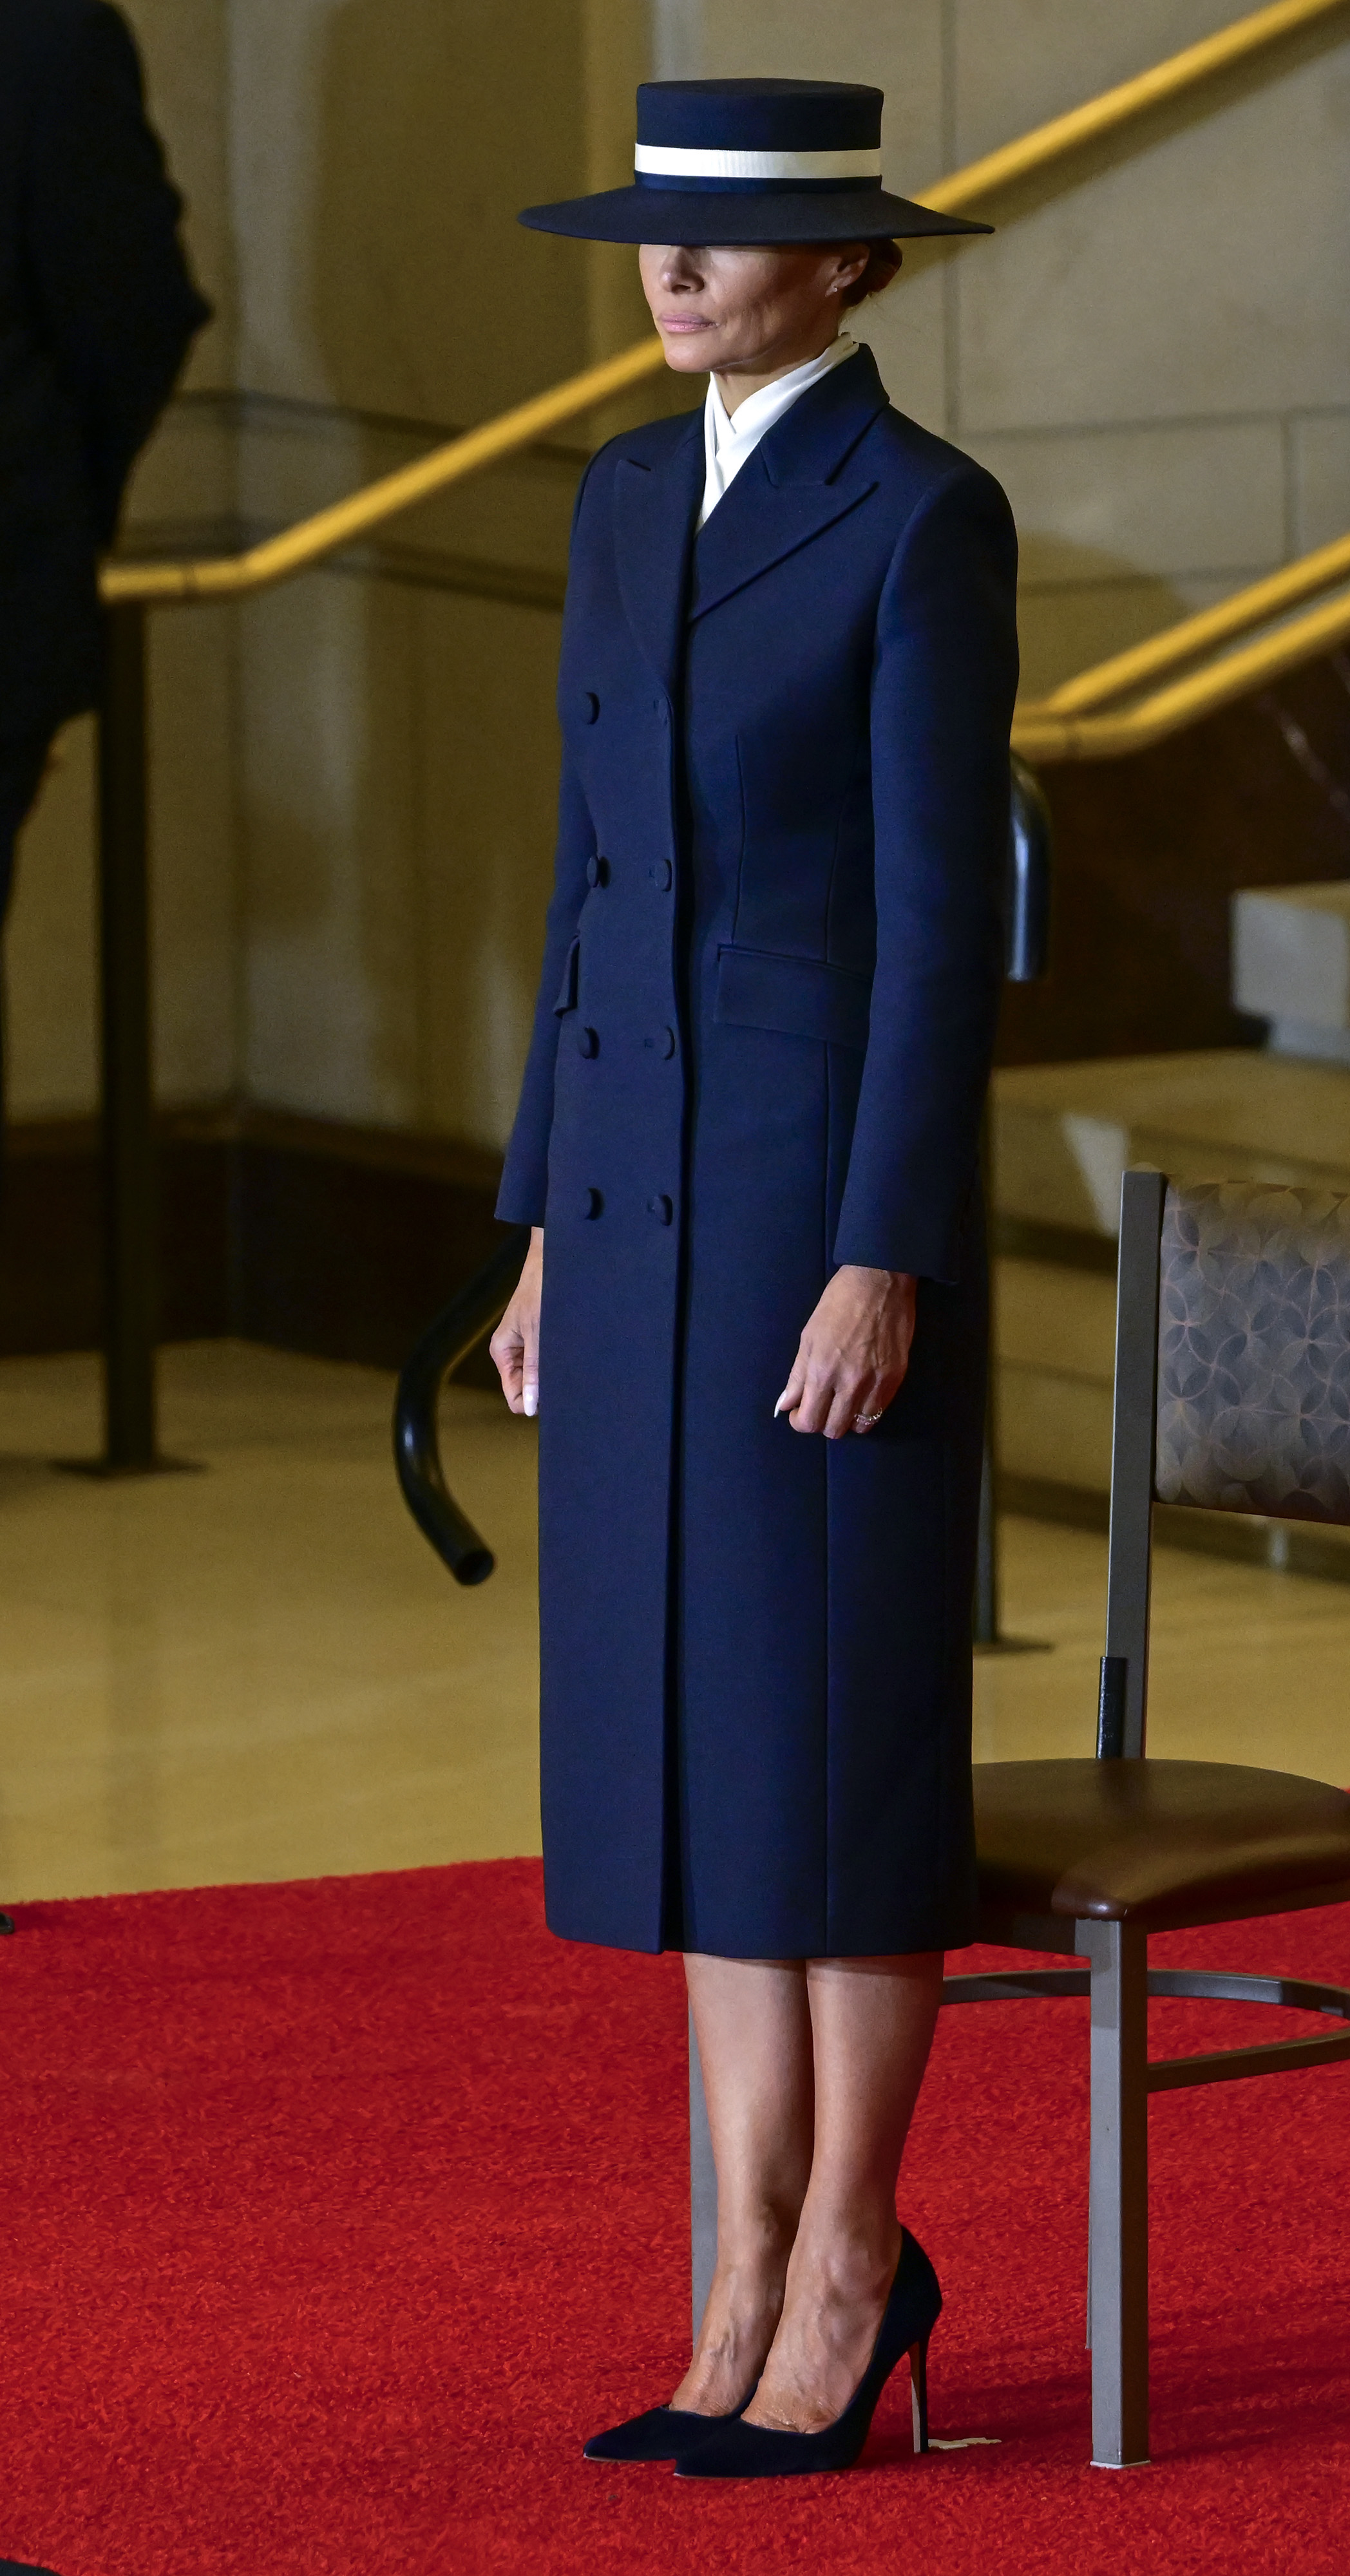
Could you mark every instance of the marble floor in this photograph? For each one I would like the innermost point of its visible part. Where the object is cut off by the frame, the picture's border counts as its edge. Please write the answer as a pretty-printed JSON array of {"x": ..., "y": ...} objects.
[{"x": 260, "y": 1671}]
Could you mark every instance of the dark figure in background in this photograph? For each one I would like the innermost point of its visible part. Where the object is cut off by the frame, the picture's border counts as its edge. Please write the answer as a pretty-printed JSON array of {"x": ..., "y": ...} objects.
[{"x": 97, "y": 311}]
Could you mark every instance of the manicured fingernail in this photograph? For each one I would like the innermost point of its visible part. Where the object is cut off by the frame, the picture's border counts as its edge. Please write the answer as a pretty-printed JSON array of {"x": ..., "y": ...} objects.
[
  {"x": 531, "y": 1399},
  {"x": 780, "y": 1404}
]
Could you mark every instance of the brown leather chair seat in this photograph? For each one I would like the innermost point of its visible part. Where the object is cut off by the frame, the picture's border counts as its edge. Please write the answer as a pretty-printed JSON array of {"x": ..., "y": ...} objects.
[{"x": 1156, "y": 1843}]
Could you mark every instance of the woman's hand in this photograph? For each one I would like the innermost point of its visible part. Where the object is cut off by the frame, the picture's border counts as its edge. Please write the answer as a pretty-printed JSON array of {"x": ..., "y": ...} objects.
[
  {"x": 854, "y": 1352},
  {"x": 515, "y": 1344}
]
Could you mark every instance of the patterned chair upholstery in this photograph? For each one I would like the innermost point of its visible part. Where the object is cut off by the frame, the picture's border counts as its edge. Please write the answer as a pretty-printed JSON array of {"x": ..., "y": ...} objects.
[{"x": 1254, "y": 1350}]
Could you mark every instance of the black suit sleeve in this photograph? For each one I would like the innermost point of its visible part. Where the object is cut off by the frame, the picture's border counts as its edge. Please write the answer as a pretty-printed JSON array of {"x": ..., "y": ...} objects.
[{"x": 114, "y": 299}]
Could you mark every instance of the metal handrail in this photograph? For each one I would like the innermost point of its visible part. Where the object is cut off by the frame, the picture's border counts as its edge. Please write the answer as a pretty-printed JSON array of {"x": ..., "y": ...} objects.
[
  {"x": 444, "y": 1346},
  {"x": 1041, "y": 734},
  {"x": 1185, "y": 642},
  {"x": 235, "y": 576}
]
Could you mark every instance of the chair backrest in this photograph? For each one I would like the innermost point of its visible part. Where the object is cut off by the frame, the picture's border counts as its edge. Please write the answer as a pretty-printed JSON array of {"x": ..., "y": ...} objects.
[{"x": 1232, "y": 1386}]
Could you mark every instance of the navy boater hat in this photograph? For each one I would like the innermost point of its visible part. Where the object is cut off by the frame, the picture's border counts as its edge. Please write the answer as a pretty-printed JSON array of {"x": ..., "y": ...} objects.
[{"x": 751, "y": 161}]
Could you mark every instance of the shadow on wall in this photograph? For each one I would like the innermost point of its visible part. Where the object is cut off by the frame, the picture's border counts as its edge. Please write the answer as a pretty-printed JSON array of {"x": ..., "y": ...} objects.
[{"x": 1077, "y": 604}]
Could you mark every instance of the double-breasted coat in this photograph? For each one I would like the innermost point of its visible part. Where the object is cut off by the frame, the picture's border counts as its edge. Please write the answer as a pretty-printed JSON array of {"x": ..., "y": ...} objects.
[{"x": 763, "y": 1036}]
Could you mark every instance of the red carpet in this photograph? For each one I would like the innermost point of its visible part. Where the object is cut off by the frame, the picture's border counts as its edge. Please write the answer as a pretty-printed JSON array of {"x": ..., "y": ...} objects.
[{"x": 336, "y": 2214}]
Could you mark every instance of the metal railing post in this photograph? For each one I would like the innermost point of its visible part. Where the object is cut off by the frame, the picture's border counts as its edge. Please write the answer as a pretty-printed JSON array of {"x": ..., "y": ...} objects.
[{"x": 130, "y": 1210}]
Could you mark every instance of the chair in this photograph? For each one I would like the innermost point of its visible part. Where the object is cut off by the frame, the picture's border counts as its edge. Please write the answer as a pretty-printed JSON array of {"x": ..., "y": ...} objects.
[{"x": 1232, "y": 1391}]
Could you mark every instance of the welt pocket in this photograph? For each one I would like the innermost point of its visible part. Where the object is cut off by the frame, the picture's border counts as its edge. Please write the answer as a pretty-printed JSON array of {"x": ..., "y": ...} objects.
[
  {"x": 567, "y": 990},
  {"x": 798, "y": 997}
]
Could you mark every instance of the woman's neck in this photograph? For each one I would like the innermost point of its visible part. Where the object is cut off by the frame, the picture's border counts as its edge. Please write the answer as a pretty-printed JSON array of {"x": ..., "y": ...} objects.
[{"x": 736, "y": 385}]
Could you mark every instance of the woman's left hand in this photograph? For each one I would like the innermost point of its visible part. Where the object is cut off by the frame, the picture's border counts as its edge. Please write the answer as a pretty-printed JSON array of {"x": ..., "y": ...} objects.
[{"x": 853, "y": 1354}]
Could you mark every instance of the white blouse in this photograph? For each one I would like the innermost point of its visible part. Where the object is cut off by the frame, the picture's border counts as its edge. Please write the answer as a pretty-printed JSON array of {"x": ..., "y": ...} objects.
[{"x": 729, "y": 437}]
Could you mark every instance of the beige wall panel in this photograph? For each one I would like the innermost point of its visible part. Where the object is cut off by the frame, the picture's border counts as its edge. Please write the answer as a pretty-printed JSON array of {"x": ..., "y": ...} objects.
[
  {"x": 1321, "y": 479},
  {"x": 329, "y": 710},
  {"x": 1157, "y": 501},
  {"x": 51, "y": 1042},
  {"x": 1018, "y": 62},
  {"x": 184, "y": 44},
  {"x": 382, "y": 150},
  {"x": 192, "y": 766},
  {"x": 1181, "y": 282},
  {"x": 489, "y": 823}
]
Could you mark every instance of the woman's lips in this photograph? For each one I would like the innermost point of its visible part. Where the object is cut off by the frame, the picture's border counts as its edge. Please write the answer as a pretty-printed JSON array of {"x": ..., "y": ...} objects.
[{"x": 683, "y": 322}]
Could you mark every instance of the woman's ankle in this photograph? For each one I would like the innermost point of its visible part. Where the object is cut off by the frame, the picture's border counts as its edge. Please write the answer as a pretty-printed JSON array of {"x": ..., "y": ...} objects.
[{"x": 847, "y": 2259}]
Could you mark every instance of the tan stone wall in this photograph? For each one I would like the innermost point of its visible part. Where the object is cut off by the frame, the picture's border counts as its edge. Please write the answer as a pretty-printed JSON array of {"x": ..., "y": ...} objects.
[{"x": 354, "y": 779}]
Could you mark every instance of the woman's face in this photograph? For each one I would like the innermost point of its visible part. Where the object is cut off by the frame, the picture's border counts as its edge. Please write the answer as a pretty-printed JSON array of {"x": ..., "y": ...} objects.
[{"x": 750, "y": 311}]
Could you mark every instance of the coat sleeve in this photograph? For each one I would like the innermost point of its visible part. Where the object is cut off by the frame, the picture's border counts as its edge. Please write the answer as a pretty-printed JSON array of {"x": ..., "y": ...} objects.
[
  {"x": 525, "y": 1174},
  {"x": 944, "y": 681},
  {"x": 116, "y": 305}
]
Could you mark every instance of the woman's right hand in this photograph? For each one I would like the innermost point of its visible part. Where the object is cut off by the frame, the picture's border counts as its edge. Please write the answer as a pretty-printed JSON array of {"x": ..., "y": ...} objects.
[{"x": 515, "y": 1344}]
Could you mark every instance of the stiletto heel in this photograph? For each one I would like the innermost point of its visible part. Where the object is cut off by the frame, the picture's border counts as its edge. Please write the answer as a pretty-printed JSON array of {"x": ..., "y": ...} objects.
[
  {"x": 740, "y": 2450},
  {"x": 918, "y": 2393}
]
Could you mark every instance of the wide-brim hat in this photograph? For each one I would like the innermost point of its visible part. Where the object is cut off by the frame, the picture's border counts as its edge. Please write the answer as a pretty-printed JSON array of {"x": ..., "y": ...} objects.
[{"x": 751, "y": 161}]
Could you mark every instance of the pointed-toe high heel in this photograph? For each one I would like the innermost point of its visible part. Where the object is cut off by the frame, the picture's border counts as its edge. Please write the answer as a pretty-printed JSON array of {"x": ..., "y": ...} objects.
[
  {"x": 663, "y": 2433},
  {"x": 739, "y": 2450}
]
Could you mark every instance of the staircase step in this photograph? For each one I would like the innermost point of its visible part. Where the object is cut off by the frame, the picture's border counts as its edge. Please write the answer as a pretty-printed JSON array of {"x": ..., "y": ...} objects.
[
  {"x": 1291, "y": 965},
  {"x": 1064, "y": 1133}
]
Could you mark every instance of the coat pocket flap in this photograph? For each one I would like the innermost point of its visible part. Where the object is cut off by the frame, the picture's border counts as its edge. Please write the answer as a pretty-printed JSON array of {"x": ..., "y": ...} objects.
[
  {"x": 567, "y": 990},
  {"x": 799, "y": 997}
]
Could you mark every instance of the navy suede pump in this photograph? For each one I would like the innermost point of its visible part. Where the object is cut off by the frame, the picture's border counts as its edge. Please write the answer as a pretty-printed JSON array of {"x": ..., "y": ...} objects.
[
  {"x": 738, "y": 2450},
  {"x": 663, "y": 2433}
]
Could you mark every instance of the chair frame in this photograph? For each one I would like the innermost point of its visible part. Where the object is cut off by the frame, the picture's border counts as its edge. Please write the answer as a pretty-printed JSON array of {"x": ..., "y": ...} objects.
[{"x": 1116, "y": 1976}]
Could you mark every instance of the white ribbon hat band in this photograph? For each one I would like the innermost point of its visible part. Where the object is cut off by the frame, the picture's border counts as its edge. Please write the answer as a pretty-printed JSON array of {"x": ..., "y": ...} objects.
[{"x": 677, "y": 161}]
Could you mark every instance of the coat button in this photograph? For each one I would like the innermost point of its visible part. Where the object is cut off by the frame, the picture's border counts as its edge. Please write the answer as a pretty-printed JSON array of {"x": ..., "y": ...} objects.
[
  {"x": 662, "y": 1208},
  {"x": 597, "y": 872},
  {"x": 591, "y": 1202},
  {"x": 660, "y": 875},
  {"x": 588, "y": 1042},
  {"x": 590, "y": 706}
]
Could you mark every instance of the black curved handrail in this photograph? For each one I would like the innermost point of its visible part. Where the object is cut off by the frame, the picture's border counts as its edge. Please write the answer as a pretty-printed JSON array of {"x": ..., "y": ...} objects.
[
  {"x": 472, "y": 1311},
  {"x": 1027, "y": 953}
]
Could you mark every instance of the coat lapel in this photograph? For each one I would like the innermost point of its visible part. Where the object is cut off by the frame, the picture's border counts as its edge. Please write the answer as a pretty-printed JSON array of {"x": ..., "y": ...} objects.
[
  {"x": 798, "y": 482},
  {"x": 654, "y": 511}
]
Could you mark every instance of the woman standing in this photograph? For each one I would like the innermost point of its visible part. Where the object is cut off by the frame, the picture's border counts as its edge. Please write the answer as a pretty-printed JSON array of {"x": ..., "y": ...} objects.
[{"x": 748, "y": 1139}]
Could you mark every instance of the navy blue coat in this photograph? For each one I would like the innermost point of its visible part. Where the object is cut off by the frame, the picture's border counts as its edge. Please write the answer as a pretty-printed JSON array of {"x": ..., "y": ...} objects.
[{"x": 761, "y": 1050}]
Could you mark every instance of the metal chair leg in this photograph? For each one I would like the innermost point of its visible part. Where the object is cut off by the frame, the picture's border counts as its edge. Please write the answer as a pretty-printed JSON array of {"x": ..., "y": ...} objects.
[
  {"x": 702, "y": 2187},
  {"x": 1118, "y": 2193}
]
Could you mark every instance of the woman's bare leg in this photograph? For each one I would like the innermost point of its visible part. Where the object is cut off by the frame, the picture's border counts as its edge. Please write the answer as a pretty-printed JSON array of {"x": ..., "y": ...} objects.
[
  {"x": 754, "y": 2042},
  {"x": 872, "y": 2026}
]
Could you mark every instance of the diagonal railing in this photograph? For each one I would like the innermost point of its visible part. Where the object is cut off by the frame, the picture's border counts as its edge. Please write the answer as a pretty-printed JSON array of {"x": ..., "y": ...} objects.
[{"x": 1065, "y": 726}]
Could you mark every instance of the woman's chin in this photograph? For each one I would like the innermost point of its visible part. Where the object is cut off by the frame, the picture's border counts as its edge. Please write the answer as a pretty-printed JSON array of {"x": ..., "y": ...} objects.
[{"x": 688, "y": 357}]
